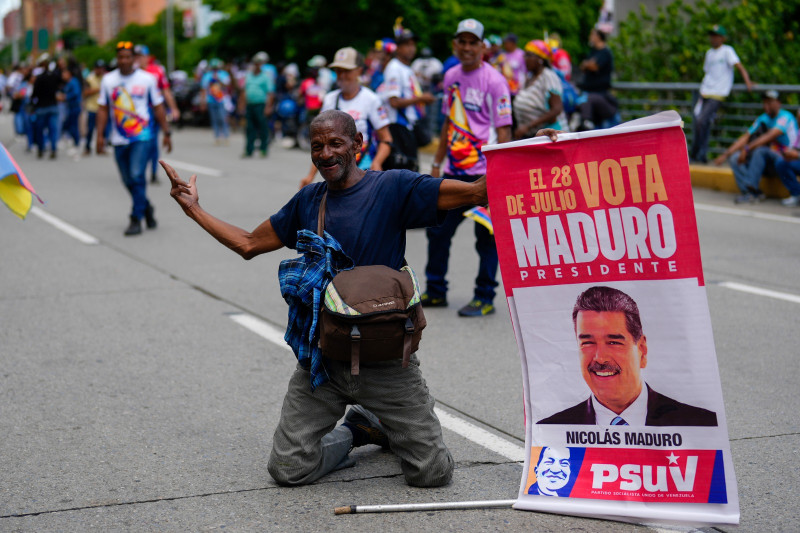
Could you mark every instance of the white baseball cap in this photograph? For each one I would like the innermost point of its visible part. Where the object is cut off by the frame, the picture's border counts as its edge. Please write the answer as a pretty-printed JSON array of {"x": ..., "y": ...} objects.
[{"x": 470, "y": 26}]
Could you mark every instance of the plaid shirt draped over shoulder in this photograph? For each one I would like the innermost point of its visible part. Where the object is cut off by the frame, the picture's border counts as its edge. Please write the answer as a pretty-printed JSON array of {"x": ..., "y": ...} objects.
[{"x": 303, "y": 281}]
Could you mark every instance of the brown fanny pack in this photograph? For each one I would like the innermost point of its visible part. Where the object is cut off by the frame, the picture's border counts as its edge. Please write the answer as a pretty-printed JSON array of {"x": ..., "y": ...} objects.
[{"x": 370, "y": 313}]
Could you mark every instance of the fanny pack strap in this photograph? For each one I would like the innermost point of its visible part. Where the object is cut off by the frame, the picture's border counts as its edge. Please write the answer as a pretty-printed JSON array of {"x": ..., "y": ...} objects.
[
  {"x": 355, "y": 334},
  {"x": 321, "y": 216}
]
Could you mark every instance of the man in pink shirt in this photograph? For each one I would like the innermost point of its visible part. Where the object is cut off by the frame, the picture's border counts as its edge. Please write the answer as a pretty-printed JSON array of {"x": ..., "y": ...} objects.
[
  {"x": 511, "y": 63},
  {"x": 477, "y": 109}
]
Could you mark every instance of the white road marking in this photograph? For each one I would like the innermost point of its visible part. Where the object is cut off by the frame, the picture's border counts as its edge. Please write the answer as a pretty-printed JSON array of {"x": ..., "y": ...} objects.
[
  {"x": 761, "y": 292},
  {"x": 480, "y": 436},
  {"x": 466, "y": 429},
  {"x": 198, "y": 169},
  {"x": 259, "y": 327},
  {"x": 746, "y": 213},
  {"x": 69, "y": 229}
]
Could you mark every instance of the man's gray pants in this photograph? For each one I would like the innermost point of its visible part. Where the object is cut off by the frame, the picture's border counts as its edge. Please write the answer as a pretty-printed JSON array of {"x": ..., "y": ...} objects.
[{"x": 306, "y": 446}]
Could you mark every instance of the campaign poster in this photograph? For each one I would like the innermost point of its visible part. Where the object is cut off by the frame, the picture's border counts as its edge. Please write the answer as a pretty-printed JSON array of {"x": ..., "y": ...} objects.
[{"x": 600, "y": 259}]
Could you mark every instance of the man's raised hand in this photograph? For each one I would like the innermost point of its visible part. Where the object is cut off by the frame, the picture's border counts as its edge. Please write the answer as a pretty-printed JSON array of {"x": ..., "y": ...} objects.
[{"x": 183, "y": 193}]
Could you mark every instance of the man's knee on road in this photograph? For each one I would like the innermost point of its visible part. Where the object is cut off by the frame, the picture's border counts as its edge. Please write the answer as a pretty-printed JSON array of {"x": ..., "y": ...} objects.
[
  {"x": 286, "y": 472},
  {"x": 434, "y": 473}
]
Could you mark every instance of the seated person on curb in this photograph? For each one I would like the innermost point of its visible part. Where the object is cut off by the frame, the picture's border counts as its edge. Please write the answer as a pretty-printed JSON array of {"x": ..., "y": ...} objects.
[
  {"x": 760, "y": 148},
  {"x": 367, "y": 214},
  {"x": 788, "y": 169}
]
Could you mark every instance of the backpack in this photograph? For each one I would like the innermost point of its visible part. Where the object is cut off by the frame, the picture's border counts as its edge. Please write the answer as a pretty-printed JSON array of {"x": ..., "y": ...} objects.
[{"x": 370, "y": 313}]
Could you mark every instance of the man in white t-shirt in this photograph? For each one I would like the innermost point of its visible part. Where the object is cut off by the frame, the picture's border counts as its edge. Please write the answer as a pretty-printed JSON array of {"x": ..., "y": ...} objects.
[
  {"x": 719, "y": 63},
  {"x": 126, "y": 97},
  {"x": 403, "y": 95},
  {"x": 364, "y": 106}
]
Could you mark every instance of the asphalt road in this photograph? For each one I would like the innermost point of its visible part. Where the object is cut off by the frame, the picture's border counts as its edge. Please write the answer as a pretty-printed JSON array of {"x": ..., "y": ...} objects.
[{"x": 132, "y": 398}]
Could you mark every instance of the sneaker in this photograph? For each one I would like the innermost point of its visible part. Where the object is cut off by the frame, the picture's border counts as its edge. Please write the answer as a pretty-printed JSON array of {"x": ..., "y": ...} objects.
[
  {"x": 134, "y": 228},
  {"x": 745, "y": 198},
  {"x": 476, "y": 308},
  {"x": 791, "y": 201},
  {"x": 432, "y": 301},
  {"x": 366, "y": 427}
]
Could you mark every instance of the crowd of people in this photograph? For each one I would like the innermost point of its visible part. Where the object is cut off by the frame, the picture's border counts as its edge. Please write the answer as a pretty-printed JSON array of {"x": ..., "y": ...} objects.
[
  {"x": 398, "y": 96},
  {"x": 55, "y": 97}
]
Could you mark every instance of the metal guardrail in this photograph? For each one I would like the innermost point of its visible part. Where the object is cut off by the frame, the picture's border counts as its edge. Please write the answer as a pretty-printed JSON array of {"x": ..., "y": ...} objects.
[{"x": 639, "y": 99}]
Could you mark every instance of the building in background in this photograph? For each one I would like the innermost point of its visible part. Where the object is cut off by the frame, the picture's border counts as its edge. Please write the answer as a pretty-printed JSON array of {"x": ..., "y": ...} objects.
[{"x": 39, "y": 22}]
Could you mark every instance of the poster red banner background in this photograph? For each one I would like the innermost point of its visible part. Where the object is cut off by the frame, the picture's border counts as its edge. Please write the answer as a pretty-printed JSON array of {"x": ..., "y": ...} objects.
[{"x": 616, "y": 207}]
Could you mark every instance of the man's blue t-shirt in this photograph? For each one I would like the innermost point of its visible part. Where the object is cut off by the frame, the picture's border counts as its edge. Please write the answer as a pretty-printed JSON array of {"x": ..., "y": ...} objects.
[
  {"x": 370, "y": 218},
  {"x": 783, "y": 121}
]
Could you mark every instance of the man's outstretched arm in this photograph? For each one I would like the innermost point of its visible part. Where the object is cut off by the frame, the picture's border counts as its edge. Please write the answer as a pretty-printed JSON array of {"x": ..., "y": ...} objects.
[
  {"x": 455, "y": 193},
  {"x": 261, "y": 240}
]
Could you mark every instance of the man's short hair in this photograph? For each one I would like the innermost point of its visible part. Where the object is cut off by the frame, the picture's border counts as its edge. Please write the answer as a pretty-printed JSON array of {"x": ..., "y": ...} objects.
[
  {"x": 605, "y": 300},
  {"x": 601, "y": 34},
  {"x": 340, "y": 118}
]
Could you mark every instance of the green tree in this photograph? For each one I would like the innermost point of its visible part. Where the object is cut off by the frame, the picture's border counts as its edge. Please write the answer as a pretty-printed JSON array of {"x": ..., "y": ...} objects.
[
  {"x": 300, "y": 29},
  {"x": 73, "y": 39},
  {"x": 670, "y": 45}
]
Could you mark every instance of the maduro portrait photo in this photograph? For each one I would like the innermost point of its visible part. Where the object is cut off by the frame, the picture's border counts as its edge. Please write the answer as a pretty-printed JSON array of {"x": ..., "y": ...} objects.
[{"x": 610, "y": 352}]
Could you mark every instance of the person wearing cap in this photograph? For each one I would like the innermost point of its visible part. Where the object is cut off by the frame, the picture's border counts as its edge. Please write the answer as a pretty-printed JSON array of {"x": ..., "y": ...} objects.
[
  {"x": 477, "y": 110},
  {"x": 511, "y": 63},
  {"x": 256, "y": 103},
  {"x": 216, "y": 84},
  {"x": 130, "y": 98},
  {"x": 539, "y": 104},
  {"x": 403, "y": 96},
  {"x": 364, "y": 106},
  {"x": 91, "y": 92},
  {"x": 759, "y": 149},
  {"x": 147, "y": 62},
  {"x": 717, "y": 83}
]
